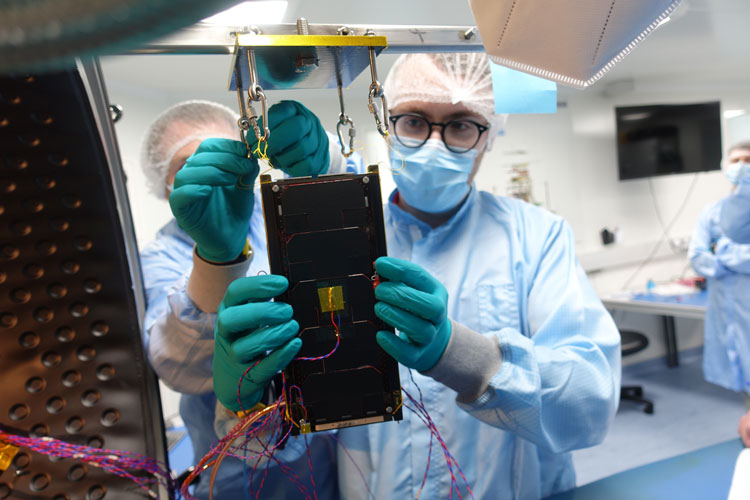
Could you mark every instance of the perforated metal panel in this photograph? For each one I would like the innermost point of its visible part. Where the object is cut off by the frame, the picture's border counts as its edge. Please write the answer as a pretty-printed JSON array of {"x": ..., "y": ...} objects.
[{"x": 72, "y": 364}]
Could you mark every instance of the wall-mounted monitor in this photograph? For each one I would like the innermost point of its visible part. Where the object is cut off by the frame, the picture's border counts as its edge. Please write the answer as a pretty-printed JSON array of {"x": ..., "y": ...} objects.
[{"x": 668, "y": 139}]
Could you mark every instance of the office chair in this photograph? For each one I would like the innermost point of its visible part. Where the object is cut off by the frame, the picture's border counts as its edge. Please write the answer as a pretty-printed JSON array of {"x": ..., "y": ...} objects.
[{"x": 631, "y": 343}]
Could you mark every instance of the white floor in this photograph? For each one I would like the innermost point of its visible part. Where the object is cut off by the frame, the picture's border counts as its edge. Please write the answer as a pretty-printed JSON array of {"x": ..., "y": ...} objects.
[{"x": 689, "y": 413}]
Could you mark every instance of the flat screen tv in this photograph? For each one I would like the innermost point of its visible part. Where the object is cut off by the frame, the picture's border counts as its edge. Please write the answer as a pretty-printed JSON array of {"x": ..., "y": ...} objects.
[{"x": 668, "y": 139}]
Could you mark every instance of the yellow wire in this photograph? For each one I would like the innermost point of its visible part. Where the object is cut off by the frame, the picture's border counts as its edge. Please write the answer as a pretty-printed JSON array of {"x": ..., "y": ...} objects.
[
  {"x": 249, "y": 420},
  {"x": 395, "y": 171},
  {"x": 398, "y": 407}
]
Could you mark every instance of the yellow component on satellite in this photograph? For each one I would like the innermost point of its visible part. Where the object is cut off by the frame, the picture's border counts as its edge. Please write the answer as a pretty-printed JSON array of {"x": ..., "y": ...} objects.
[
  {"x": 7, "y": 452},
  {"x": 331, "y": 298}
]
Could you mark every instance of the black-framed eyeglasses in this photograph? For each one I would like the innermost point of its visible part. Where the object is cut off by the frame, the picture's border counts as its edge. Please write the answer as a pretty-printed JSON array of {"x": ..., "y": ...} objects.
[{"x": 460, "y": 136}]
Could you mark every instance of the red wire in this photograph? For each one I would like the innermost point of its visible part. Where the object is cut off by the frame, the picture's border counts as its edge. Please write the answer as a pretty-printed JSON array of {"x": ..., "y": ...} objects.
[{"x": 318, "y": 358}]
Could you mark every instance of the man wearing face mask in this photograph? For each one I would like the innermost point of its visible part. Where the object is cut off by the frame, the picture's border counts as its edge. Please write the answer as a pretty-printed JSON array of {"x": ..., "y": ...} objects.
[
  {"x": 516, "y": 358},
  {"x": 726, "y": 266},
  {"x": 735, "y": 211}
]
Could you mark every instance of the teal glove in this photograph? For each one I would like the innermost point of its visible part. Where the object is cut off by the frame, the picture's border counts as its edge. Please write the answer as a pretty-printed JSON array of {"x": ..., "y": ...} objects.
[
  {"x": 247, "y": 328},
  {"x": 416, "y": 305},
  {"x": 298, "y": 144},
  {"x": 213, "y": 198}
]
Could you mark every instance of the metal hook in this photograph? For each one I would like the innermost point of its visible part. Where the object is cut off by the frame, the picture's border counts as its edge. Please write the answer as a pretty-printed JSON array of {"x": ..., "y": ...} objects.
[
  {"x": 244, "y": 121},
  {"x": 255, "y": 93},
  {"x": 254, "y": 118},
  {"x": 382, "y": 125},
  {"x": 345, "y": 120},
  {"x": 376, "y": 91}
]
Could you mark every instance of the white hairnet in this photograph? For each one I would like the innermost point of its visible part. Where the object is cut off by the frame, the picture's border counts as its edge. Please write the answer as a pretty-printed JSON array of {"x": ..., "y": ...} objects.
[
  {"x": 177, "y": 126},
  {"x": 446, "y": 78}
]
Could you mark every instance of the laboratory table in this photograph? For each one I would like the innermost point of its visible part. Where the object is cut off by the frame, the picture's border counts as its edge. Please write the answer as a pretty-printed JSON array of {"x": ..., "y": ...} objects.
[{"x": 687, "y": 305}]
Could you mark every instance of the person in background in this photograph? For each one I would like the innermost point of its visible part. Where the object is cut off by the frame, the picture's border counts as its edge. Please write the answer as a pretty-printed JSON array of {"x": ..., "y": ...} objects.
[
  {"x": 726, "y": 266},
  {"x": 735, "y": 211},
  {"x": 181, "y": 345},
  {"x": 517, "y": 359}
]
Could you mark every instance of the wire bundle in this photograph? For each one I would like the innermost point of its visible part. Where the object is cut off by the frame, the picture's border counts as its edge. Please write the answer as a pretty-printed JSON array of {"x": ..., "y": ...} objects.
[
  {"x": 124, "y": 464},
  {"x": 420, "y": 410}
]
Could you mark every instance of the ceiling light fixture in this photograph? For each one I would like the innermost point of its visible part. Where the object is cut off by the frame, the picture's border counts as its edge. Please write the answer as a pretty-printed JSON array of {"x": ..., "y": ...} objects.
[
  {"x": 733, "y": 113},
  {"x": 246, "y": 13}
]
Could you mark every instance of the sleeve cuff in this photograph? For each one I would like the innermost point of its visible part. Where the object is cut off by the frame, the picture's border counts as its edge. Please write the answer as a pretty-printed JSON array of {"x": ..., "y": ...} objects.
[
  {"x": 468, "y": 364},
  {"x": 208, "y": 282}
]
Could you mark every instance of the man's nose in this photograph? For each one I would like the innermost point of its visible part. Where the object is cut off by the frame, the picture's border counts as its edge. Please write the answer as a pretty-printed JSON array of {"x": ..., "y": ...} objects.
[{"x": 436, "y": 133}]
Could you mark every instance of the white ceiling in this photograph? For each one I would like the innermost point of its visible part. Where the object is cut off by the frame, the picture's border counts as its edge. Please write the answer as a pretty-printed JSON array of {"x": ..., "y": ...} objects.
[{"x": 705, "y": 45}]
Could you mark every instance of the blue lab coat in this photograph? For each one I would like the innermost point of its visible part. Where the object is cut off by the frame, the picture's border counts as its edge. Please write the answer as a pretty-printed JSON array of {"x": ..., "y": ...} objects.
[
  {"x": 511, "y": 273},
  {"x": 726, "y": 266}
]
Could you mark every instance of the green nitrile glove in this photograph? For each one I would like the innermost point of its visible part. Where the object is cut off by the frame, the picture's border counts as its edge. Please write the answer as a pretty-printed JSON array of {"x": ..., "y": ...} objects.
[
  {"x": 298, "y": 144},
  {"x": 250, "y": 328},
  {"x": 213, "y": 198},
  {"x": 414, "y": 303}
]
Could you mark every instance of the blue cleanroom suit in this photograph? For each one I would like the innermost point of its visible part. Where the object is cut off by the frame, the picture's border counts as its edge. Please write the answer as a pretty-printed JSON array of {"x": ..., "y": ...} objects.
[
  {"x": 512, "y": 275},
  {"x": 726, "y": 266}
]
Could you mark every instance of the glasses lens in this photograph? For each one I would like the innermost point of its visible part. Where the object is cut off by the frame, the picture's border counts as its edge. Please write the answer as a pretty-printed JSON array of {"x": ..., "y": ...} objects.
[
  {"x": 412, "y": 130},
  {"x": 461, "y": 135}
]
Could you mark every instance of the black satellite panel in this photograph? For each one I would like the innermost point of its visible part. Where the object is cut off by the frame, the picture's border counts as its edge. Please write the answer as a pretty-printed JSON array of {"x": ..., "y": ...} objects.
[
  {"x": 324, "y": 235},
  {"x": 72, "y": 363}
]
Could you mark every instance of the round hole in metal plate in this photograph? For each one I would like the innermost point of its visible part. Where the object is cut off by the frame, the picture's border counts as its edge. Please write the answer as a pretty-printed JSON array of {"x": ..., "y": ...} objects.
[
  {"x": 57, "y": 290},
  {"x": 77, "y": 472},
  {"x": 33, "y": 271},
  {"x": 71, "y": 378},
  {"x": 33, "y": 205},
  {"x": 20, "y": 295},
  {"x": 95, "y": 442},
  {"x": 65, "y": 334},
  {"x": 44, "y": 315},
  {"x": 75, "y": 424},
  {"x": 99, "y": 329},
  {"x": 9, "y": 252},
  {"x": 96, "y": 492},
  {"x": 70, "y": 267},
  {"x": 28, "y": 340},
  {"x": 110, "y": 417},
  {"x": 78, "y": 309},
  {"x": 55, "y": 405},
  {"x": 86, "y": 353},
  {"x": 83, "y": 243},
  {"x": 19, "y": 412},
  {"x": 39, "y": 482},
  {"x": 51, "y": 359},
  {"x": 92, "y": 286},
  {"x": 8, "y": 320},
  {"x": 35, "y": 385},
  {"x": 90, "y": 397},
  {"x": 39, "y": 430},
  {"x": 105, "y": 372},
  {"x": 22, "y": 460}
]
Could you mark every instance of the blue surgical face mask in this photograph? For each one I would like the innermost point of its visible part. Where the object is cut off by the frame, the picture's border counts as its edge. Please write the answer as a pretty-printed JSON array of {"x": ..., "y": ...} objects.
[
  {"x": 734, "y": 171},
  {"x": 431, "y": 178}
]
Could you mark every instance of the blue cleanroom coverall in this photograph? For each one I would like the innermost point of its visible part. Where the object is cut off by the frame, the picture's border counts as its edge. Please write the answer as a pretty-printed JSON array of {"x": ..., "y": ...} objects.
[
  {"x": 511, "y": 274},
  {"x": 726, "y": 266}
]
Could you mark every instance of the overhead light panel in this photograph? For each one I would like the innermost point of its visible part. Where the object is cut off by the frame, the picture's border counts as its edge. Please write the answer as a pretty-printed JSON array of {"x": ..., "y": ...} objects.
[
  {"x": 734, "y": 113},
  {"x": 261, "y": 12}
]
